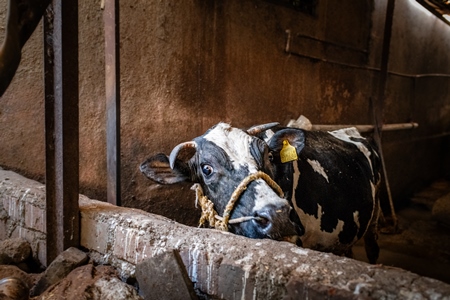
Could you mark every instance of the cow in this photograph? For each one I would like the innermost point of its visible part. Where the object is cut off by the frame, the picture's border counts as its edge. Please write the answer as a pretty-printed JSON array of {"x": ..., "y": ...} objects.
[{"x": 330, "y": 182}]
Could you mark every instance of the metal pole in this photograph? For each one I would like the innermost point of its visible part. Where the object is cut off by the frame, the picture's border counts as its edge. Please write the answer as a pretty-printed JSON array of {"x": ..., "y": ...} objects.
[
  {"x": 378, "y": 105},
  {"x": 112, "y": 85},
  {"x": 61, "y": 113},
  {"x": 367, "y": 128}
]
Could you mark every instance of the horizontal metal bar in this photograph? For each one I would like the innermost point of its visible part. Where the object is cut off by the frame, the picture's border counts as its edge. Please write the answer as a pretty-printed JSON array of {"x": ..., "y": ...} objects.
[{"x": 367, "y": 128}]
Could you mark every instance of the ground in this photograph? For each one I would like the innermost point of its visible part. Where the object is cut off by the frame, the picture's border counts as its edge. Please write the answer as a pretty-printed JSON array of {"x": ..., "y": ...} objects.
[{"x": 422, "y": 245}]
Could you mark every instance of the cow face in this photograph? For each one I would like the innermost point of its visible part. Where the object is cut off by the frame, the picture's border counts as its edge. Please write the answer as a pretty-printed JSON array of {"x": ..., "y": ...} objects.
[{"x": 219, "y": 160}]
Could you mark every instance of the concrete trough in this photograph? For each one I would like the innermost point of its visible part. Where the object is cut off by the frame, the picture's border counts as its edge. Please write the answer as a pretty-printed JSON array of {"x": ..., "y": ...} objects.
[{"x": 220, "y": 265}]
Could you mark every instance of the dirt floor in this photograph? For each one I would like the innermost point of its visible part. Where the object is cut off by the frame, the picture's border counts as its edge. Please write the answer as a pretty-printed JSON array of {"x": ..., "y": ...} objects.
[{"x": 422, "y": 244}]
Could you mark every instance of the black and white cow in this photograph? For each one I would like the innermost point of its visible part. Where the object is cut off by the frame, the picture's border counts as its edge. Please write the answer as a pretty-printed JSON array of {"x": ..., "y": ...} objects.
[
  {"x": 332, "y": 186},
  {"x": 330, "y": 190}
]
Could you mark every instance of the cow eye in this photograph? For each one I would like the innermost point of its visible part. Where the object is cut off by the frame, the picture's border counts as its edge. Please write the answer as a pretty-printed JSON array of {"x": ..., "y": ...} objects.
[
  {"x": 270, "y": 156},
  {"x": 207, "y": 170}
]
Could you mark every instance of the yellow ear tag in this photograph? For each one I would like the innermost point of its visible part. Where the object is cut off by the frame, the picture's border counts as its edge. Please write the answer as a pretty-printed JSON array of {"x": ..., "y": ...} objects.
[{"x": 288, "y": 152}]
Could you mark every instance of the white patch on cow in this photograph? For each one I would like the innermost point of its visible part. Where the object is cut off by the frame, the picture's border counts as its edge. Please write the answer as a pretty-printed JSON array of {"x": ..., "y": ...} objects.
[
  {"x": 347, "y": 133},
  {"x": 236, "y": 143},
  {"x": 374, "y": 214},
  {"x": 356, "y": 218},
  {"x": 313, "y": 235},
  {"x": 264, "y": 196},
  {"x": 295, "y": 183},
  {"x": 317, "y": 167},
  {"x": 374, "y": 191}
]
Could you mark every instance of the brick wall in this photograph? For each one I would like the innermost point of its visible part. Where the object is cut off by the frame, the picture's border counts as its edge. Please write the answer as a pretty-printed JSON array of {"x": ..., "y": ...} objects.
[{"x": 221, "y": 265}]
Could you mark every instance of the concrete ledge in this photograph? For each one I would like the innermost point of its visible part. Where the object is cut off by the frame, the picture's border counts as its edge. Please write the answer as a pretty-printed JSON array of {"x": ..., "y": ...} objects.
[
  {"x": 22, "y": 211},
  {"x": 220, "y": 264}
]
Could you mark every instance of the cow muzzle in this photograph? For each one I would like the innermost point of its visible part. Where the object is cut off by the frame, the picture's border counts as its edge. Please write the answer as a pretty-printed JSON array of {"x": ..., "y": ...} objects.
[
  {"x": 221, "y": 223},
  {"x": 273, "y": 222},
  {"x": 270, "y": 222}
]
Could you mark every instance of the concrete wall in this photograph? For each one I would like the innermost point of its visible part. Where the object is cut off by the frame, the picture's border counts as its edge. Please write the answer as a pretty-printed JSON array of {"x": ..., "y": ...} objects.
[
  {"x": 187, "y": 65},
  {"x": 221, "y": 265}
]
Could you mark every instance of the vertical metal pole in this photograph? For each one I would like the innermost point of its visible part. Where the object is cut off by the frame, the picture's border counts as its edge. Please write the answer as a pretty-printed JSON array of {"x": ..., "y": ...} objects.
[
  {"x": 378, "y": 106},
  {"x": 49, "y": 137},
  {"x": 112, "y": 85},
  {"x": 61, "y": 113}
]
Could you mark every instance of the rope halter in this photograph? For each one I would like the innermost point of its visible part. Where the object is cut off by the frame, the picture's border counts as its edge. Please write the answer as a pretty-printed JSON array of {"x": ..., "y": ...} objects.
[{"x": 209, "y": 213}]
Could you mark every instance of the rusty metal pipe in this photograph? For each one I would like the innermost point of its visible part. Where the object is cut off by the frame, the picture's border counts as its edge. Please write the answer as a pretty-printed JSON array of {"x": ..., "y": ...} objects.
[{"x": 368, "y": 128}]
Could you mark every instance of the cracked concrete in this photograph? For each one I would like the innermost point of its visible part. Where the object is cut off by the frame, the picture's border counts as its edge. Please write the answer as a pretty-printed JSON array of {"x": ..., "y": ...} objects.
[{"x": 222, "y": 265}]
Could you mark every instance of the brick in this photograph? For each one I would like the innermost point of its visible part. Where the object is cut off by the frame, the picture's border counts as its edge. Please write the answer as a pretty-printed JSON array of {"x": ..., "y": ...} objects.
[
  {"x": 141, "y": 247},
  {"x": 94, "y": 234},
  {"x": 203, "y": 269},
  {"x": 12, "y": 206},
  {"x": 237, "y": 282},
  {"x": 35, "y": 217},
  {"x": 122, "y": 240},
  {"x": 171, "y": 280},
  {"x": 131, "y": 245}
]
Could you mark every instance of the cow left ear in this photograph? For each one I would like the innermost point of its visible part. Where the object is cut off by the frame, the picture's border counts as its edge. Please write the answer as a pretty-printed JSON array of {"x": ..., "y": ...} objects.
[
  {"x": 294, "y": 137},
  {"x": 158, "y": 168}
]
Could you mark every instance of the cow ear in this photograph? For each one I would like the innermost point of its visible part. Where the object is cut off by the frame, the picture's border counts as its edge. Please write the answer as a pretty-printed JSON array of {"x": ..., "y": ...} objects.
[
  {"x": 158, "y": 168},
  {"x": 294, "y": 136}
]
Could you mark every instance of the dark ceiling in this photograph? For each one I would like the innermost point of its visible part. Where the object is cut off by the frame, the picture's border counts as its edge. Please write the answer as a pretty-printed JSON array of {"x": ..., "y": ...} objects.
[{"x": 441, "y": 8}]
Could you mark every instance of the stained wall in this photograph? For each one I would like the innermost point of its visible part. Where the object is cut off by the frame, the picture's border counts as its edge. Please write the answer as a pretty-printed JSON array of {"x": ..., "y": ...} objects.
[{"x": 186, "y": 65}]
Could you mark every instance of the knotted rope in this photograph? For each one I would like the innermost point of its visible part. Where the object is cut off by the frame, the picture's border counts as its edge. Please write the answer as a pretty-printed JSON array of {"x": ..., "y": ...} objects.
[{"x": 209, "y": 213}]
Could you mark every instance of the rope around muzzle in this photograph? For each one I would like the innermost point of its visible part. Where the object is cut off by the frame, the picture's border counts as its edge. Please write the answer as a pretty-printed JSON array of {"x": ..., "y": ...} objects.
[{"x": 210, "y": 214}]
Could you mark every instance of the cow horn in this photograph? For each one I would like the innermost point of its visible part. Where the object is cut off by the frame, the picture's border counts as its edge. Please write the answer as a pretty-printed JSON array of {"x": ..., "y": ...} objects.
[
  {"x": 260, "y": 128},
  {"x": 174, "y": 154}
]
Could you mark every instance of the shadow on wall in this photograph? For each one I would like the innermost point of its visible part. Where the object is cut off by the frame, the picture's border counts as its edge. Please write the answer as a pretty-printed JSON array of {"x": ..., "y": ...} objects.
[
  {"x": 176, "y": 202},
  {"x": 446, "y": 156}
]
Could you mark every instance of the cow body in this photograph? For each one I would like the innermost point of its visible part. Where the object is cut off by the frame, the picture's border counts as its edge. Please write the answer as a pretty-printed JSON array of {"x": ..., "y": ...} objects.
[
  {"x": 330, "y": 190},
  {"x": 333, "y": 187}
]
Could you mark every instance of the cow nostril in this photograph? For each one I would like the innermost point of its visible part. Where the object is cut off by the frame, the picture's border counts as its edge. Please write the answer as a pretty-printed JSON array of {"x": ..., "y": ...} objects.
[{"x": 261, "y": 219}]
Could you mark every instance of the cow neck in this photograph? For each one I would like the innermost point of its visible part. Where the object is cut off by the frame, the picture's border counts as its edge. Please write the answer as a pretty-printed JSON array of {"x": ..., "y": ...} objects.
[{"x": 210, "y": 214}]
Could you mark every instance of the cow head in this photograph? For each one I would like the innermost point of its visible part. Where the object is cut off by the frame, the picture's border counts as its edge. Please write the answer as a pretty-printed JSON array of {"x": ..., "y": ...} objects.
[{"x": 219, "y": 160}]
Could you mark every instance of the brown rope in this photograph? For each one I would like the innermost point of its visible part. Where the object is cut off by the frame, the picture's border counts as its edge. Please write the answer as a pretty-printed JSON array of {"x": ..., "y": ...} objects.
[{"x": 209, "y": 213}]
